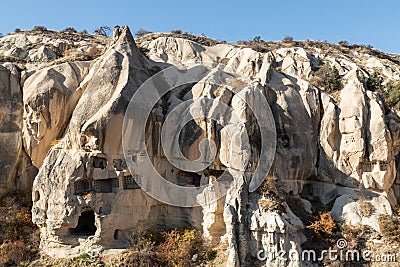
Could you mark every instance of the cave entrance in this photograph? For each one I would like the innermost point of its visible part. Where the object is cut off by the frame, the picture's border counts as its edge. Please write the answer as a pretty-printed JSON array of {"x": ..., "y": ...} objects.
[{"x": 86, "y": 224}]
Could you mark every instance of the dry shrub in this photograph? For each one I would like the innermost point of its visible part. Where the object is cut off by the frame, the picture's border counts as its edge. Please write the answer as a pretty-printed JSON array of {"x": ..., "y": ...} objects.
[
  {"x": 366, "y": 208},
  {"x": 324, "y": 226},
  {"x": 389, "y": 227},
  {"x": 272, "y": 197},
  {"x": 356, "y": 236},
  {"x": 176, "y": 247},
  {"x": 14, "y": 253},
  {"x": 397, "y": 209},
  {"x": 19, "y": 237},
  {"x": 139, "y": 242},
  {"x": 180, "y": 246}
]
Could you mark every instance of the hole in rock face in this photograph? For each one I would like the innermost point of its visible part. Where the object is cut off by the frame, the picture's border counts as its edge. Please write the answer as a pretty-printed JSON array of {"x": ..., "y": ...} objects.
[
  {"x": 37, "y": 196},
  {"x": 116, "y": 234},
  {"x": 188, "y": 178},
  {"x": 99, "y": 162},
  {"x": 86, "y": 224}
]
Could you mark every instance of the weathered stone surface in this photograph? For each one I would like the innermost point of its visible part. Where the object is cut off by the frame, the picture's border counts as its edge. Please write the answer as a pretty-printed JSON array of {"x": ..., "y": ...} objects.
[
  {"x": 16, "y": 170},
  {"x": 50, "y": 96},
  {"x": 66, "y": 119}
]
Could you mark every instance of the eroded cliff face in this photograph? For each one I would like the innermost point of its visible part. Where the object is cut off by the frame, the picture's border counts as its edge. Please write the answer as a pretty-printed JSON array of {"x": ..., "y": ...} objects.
[{"x": 66, "y": 121}]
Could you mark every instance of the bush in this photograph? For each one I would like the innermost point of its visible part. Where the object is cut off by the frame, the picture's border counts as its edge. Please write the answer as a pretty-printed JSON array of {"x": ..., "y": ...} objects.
[
  {"x": 176, "y": 31},
  {"x": 375, "y": 82},
  {"x": 324, "y": 226},
  {"x": 181, "y": 245},
  {"x": 343, "y": 43},
  {"x": 257, "y": 39},
  {"x": 19, "y": 237},
  {"x": 84, "y": 31},
  {"x": 366, "y": 208},
  {"x": 17, "y": 30},
  {"x": 393, "y": 94},
  {"x": 241, "y": 42},
  {"x": 390, "y": 228},
  {"x": 142, "y": 242},
  {"x": 141, "y": 32},
  {"x": 327, "y": 78},
  {"x": 69, "y": 29},
  {"x": 82, "y": 260},
  {"x": 288, "y": 39},
  {"x": 40, "y": 28},
  {"x": 271, "y": 199},
  {"x": 103, "y": 31}
]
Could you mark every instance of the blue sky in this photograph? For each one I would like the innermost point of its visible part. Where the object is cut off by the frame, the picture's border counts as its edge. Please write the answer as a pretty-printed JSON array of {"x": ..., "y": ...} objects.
[{"x": 363, "y": 22}]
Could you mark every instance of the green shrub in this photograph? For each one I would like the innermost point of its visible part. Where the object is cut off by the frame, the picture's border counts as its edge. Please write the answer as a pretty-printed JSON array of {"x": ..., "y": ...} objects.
[
  {"x": 393, "y": 94},
  {"x": 327, "y": 78},
  {"x": 84, "y": 260},
  {"x": 375, "y": 82}
]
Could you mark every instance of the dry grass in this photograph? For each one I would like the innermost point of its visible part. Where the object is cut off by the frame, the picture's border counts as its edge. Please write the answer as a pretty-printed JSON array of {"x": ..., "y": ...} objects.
[{"x": 55, "y": 142}]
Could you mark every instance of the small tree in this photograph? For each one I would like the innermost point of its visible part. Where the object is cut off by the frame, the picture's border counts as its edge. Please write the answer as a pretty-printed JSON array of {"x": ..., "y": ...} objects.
[
  {"x": 257, "y": 39},
  {"x": 176, "y": 31},
  {"x": 17, "y": 30},
  {"x": 103, "y": 31},
  {"x": 288, "y": 39},
  {"x": 69, "y": 29},
  {"x": 141, "y": 32}
]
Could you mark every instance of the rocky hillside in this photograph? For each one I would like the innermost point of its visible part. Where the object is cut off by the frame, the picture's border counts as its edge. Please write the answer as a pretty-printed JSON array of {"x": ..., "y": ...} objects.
[{"x": 319, "y": 122}]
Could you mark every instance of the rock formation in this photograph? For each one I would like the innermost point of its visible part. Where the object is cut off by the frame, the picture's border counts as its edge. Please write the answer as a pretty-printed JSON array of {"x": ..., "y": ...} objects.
[{"x": 61, "y": 131}]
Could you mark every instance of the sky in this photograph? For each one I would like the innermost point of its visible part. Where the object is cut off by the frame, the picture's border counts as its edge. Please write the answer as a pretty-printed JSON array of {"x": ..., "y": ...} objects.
[{"x": 365, "y": 22}]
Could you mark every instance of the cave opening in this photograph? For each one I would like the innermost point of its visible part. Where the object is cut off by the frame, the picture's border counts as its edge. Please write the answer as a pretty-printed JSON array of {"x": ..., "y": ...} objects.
[{"x": 86, "y": 224}]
